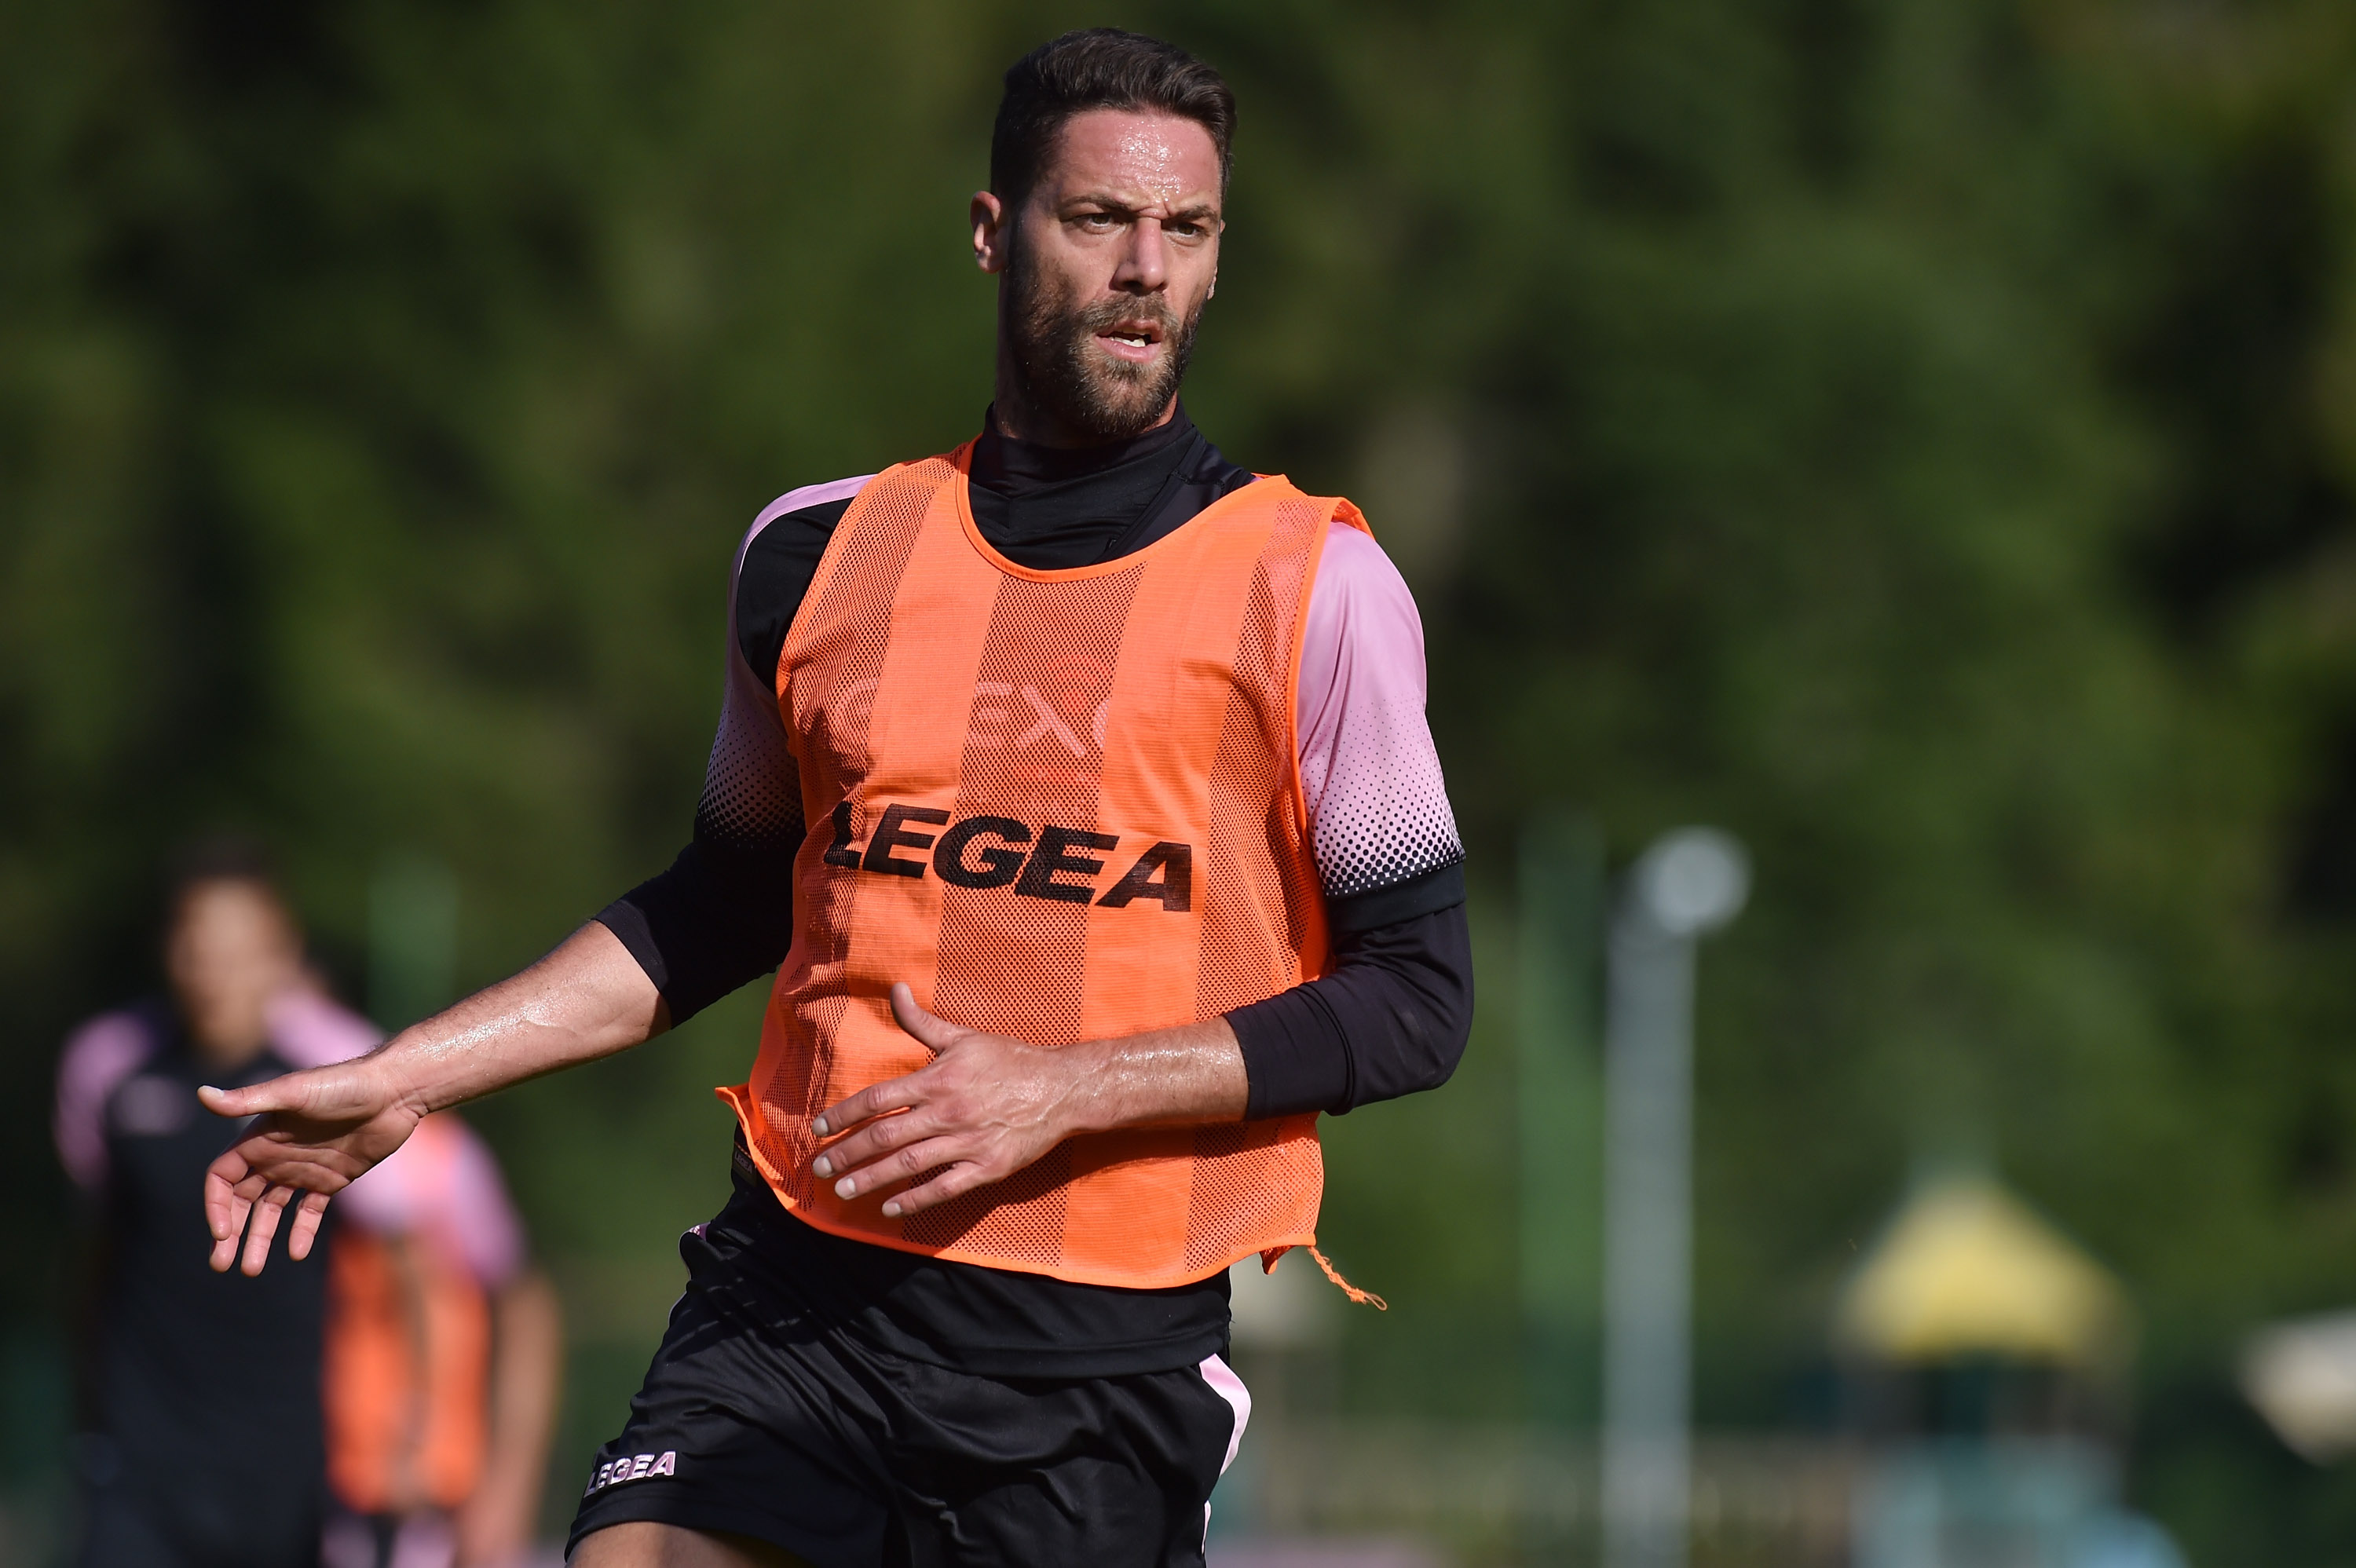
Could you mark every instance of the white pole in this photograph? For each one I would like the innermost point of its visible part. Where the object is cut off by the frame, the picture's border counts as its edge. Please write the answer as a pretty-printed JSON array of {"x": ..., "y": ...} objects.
[{"x": 1689, "y": 882}]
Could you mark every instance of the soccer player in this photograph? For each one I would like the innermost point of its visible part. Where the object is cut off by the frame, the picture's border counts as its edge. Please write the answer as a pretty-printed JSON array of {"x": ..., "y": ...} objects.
[
  {"x": 1077, "y": 784},
  {"x": 201, "y": 1435}
]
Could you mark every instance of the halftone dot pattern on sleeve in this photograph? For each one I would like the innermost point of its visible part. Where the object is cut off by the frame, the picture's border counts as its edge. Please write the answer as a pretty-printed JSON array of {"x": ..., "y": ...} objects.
[
  {"x": 1370, "y": 774},
  {"x": 751, "y": 793}
]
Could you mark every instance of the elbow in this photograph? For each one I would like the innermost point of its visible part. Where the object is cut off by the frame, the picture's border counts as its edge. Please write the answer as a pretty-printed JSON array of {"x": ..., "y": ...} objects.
[
  {"x": 1447, "y": 1051},
  {"x": 1427, "y": 1043}
]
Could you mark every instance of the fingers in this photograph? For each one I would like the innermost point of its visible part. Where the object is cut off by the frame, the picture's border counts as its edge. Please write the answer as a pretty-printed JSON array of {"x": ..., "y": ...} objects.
[
  {"x": 880, "y": 1166},
  {"x": 311, "y": 1135},
  {"x": 264, "y": 1229},
  {"x": 249, "y": 1208},
  {"x": 348, "y": 1091},
  {"x": 229, "y": 1199},
  {"x": 924, "y": 1128},
  {"x": 954, "y": 1182},
  {"x": 934, "y": 1032},
  {"x": 910, "y": 1164},
  {"x": 307, "y": 1217},
  {"x": 938, "y": 1169},
  {"x": 281, "y": 1093},
  {"x": 877, "y": 1138},
  {"x": 224, "y": 1211},
  {"x": 230, "y": 1101},
  {"x": 893, "y": 1094}
]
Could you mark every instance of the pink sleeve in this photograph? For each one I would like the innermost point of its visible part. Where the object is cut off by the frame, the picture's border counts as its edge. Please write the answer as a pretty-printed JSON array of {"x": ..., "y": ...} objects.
[
  {"x": 1377, "y": 801},
  {"x": 310, "y": 1030},
  {"x": 102, "y": 1055},
  {"x": 443, "y": 1187}
]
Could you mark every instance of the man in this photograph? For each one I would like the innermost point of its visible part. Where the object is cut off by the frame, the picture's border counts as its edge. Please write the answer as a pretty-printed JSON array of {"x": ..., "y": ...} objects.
[
  {"x": 1078, "y": 785},
  {"x": 202, "y": 1421}
]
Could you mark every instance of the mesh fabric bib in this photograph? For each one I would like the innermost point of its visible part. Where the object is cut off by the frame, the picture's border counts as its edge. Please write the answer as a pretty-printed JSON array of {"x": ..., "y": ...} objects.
[{"x": 1061, "y": 806}]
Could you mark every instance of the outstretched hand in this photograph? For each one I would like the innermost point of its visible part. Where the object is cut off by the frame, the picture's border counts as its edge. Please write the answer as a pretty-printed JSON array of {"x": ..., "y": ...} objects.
[
  {"x": 313, "y": 1134},
  {"x": 983, "y": 1108}
]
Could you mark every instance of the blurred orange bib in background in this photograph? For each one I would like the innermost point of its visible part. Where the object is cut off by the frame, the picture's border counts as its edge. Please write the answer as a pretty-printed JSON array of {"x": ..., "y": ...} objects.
[{"x": 407, "y": 1368}]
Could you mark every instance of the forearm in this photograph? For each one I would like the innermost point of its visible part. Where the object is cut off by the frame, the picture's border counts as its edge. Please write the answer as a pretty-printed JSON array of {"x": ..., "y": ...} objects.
[
  {"x": 1194, "y": 1073},
  {"x": 317, "y": 1131},
  {"x": 586, "y": 999},
  {"x": 986, "y": 1105}
]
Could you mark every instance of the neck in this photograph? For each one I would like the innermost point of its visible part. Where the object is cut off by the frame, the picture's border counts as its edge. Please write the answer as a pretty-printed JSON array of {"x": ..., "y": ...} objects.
[{"x": 224, "y": 1055}]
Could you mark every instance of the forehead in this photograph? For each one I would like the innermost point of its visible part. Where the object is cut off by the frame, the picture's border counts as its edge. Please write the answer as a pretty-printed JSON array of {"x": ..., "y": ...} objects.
[{"x": 1163, "y": 158}]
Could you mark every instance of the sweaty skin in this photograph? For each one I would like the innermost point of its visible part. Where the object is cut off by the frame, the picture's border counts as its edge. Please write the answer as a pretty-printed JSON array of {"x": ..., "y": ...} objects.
[{"x": 1129, "y": 212}]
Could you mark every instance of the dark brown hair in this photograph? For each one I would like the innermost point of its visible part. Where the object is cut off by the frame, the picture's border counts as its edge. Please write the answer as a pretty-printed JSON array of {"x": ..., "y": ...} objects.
[{"x": 1099, "y": 68}]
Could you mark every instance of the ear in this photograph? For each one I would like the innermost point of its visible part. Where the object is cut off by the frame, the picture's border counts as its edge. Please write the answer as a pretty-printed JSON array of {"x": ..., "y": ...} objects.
[{"x": 990, "y": 237}]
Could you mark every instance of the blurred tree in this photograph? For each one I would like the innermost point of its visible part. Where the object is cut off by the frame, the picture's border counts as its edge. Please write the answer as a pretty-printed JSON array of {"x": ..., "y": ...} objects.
[{"x": 1918, "y": 435}]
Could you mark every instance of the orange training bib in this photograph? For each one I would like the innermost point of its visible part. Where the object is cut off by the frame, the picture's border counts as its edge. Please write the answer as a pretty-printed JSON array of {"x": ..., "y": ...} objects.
[{"x": 1062, "y": 806}]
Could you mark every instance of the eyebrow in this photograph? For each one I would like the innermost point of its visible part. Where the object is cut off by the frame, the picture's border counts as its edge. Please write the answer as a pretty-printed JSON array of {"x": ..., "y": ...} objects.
[{"x": 1200, "y": 209}]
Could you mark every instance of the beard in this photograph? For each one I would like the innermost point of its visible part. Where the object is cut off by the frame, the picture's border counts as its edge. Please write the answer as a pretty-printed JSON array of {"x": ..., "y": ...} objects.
[{"x": 1063, "y": 373}]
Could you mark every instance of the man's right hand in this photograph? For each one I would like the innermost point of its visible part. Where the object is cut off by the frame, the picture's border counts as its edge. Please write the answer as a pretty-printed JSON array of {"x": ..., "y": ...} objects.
[{"x": 313, "y": 1134}]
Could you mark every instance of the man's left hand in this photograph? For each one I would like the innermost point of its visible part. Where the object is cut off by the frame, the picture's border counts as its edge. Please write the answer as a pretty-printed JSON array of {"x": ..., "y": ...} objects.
[{"x": 983, "y": 1108}]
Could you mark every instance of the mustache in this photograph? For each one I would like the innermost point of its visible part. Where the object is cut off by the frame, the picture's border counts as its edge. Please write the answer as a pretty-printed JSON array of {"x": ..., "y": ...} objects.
[{"x": 1147, "y": 310}]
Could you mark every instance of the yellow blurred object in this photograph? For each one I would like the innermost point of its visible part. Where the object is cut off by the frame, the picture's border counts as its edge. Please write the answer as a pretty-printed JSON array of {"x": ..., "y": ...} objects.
[{"x": 1967, "y": 1269}]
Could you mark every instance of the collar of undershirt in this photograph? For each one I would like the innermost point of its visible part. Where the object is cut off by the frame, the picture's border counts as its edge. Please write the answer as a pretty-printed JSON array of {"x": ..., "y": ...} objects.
[{"x": 1018, "y": 468}]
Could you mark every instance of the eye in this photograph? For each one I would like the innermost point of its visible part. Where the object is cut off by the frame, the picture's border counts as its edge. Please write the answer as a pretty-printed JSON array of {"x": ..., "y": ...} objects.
[{"x": 1096, "y": 222}]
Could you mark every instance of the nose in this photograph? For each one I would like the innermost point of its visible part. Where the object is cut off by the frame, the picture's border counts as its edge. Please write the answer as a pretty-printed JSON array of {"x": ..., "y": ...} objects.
[{"x": 1145, "y": 261}]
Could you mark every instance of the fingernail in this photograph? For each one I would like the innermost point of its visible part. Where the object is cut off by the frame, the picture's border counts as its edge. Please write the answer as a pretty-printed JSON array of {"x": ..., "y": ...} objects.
[
  {"x": 892, "y": 1209},
  {"x": 846, "y": 1187},
  {"x": 823, "y": 1166},
  {"x": 821, "y": 1129}
]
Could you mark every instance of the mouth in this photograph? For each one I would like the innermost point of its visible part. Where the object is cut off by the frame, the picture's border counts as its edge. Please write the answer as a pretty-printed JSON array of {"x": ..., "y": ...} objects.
[{"x": 1137, "y": 341}]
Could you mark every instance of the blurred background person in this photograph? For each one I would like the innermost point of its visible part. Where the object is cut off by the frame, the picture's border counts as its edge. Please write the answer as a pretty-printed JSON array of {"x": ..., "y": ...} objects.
[
  {"x": 194, "y": 1386},
  {"x": 441, "y": 1348},
  {"x": 444, "y": 1354}
]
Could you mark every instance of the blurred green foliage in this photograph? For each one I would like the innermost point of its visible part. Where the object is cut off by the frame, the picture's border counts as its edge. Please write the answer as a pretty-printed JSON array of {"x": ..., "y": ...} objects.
[{"x": 1916, "y": 435}]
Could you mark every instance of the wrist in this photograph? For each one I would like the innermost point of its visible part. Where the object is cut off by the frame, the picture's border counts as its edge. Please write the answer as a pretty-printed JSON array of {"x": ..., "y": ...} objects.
[
  {"x": 400, "y": 1068},
  {"x": 1090, "y": 1100}
]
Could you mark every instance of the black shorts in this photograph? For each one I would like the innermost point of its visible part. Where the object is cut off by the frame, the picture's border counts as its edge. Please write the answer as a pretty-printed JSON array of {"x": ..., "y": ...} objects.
[{"x": 759, "y": 1418}]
